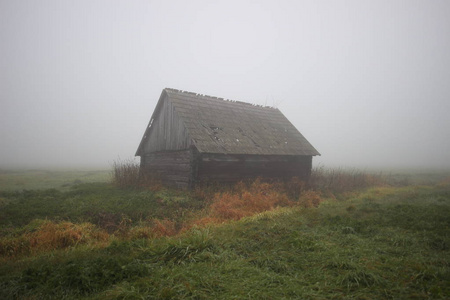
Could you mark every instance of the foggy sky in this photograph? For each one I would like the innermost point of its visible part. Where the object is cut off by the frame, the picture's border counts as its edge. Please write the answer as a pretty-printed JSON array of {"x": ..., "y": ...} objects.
[{"x": 366, "y": 82}]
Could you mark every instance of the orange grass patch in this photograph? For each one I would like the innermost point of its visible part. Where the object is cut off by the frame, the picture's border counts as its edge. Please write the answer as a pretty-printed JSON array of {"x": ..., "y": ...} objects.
[
  {"x": 51, "y": 236},
  {"x": 163, "y": 228},
  {"x": 245, "y": 200},
  {"x": 241, "y": 200},
  {"x": 310, "y": 199}
]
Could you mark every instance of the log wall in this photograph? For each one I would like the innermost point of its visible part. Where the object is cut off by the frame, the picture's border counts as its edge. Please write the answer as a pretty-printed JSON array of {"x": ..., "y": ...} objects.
[
  {"x": 233, "y": 168},
  {"x": 173, "y": 168},
  {"x": 185, "y": 168}
]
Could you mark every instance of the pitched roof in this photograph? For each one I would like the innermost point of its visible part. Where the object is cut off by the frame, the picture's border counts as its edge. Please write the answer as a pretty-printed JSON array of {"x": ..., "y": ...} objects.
[{"x": 216, "y": 125}]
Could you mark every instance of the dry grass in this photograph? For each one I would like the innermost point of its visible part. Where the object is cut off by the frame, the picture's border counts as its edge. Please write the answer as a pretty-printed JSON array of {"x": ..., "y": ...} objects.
[
  {"x": 223, "y": 204},
  {"x": 385, "y": 242},
  {"x": 163, "y": 228},
  {"x": 444, "y": 182},
  {"x": 338, "y": 181},
  {"x": 153, "y": 229},
  {"x": 309, "y": 199},
  {"x": 245, "y": 200},
  {"x": 51, "y": 235},
  {"x": 44, "y": 235},
  {"x": 127, "y": 174}
]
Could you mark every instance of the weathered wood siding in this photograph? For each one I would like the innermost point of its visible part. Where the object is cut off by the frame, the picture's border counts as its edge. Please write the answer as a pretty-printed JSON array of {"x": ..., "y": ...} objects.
[
  {"x": 232, "y": 168},
  {"x": 193, "y": 138},
  {"x": 167, "y": 131},
  {"x": 173, "y": 168}
]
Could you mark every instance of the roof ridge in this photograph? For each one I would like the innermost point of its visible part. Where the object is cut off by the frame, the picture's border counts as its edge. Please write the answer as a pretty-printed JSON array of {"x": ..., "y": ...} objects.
[{"x": 219, "y": 98}]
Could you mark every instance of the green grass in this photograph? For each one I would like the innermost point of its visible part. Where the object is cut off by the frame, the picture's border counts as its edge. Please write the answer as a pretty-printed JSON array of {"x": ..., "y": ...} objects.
[
  {"x": 98, "y": 203},
  {"x": 378, "y": 243},
  {"x": 16, "y": 180}
]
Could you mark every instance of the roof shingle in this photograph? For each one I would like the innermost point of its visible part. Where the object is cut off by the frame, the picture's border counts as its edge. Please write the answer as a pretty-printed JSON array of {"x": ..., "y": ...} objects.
[{"x": 216, "y": 125}]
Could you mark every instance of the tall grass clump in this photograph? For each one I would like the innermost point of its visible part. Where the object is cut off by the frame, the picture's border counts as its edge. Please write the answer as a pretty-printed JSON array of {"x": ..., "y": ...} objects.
[
  {"x": 339, "y": 181},
  {"x": 127, "y": 174}
]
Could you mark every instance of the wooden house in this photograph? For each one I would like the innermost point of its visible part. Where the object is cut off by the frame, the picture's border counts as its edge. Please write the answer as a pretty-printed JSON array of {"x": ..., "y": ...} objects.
[{"x": 194, "y": 138}]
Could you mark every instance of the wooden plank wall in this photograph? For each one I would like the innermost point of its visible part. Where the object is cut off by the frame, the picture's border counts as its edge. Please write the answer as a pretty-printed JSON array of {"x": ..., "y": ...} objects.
[
  {"x": 233, "y": 168},
  {"x": 167, "y": 131},
  {"x": 173, "y": 168}
]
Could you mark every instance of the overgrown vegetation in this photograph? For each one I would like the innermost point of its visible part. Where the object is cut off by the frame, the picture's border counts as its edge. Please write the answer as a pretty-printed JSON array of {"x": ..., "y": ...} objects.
[
  {"x": 126, "y": 174},
  {"x": 344, "y": 235},
  {"x": 338, "y": 181}
]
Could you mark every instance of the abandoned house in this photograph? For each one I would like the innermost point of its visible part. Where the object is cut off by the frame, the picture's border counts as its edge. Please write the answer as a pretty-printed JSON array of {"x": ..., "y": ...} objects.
[{"x": 194, "y": 138}]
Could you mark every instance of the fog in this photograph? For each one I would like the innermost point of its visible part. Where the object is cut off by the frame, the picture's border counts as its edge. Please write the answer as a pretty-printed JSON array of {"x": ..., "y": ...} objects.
[{"x": 366, "y": 82}]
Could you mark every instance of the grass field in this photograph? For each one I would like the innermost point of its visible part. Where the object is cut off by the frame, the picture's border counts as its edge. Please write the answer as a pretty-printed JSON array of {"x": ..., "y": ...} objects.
[
  {"x": 46, "y": 179},
  {"x": 381, "y": 239}
]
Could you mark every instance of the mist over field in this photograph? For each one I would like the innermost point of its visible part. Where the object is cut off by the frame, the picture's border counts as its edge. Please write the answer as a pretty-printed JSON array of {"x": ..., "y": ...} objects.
[{"x": 366, "y": 82}]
